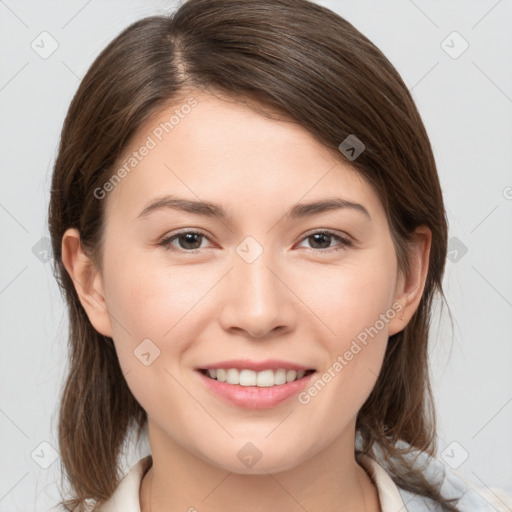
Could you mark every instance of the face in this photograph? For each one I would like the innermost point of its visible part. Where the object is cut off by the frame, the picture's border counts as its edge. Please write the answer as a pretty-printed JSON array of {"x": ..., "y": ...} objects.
[{"x": 187, "y": 288}]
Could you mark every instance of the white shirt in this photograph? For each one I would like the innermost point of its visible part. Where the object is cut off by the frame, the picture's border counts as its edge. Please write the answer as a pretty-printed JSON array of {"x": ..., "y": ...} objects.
[{"x": 126, "y": 497}]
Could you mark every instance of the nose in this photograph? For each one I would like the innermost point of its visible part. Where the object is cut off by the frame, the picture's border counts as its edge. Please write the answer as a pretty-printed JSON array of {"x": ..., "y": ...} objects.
[{"x": 258, "y": 301}]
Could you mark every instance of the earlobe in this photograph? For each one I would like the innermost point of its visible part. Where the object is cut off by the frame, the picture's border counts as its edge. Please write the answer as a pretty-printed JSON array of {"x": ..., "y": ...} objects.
[
  {"x": 87, "y": 281},
  {"x": 410, "y": 288}
]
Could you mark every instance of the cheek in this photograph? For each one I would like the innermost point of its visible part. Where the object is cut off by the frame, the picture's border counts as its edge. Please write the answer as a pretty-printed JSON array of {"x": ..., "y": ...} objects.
[
  {"x": 350, "y": 297},
  {"x": 154, "y": 312},
  {"x": 353, "y": 303},
  {"x": 354, "y": 344},
  {"x": 155, "y": 302}
]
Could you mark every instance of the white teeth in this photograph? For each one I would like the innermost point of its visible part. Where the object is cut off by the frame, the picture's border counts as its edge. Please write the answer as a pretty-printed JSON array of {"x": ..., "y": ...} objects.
[
  {"x": 232, "y": 376},
  {"x": 266, "y": 378},
  {"x": 280, "y": 377},
  {"x": 246, "y": 377}
]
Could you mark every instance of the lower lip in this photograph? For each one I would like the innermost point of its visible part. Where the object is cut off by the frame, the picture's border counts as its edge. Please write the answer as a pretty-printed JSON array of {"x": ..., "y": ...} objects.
[{"x": 254, "y": 397}]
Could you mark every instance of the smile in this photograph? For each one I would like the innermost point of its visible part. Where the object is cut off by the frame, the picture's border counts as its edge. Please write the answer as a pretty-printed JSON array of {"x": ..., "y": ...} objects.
[
  {"x": 245, "y": 377},
  {"x": 249, "y": 389}
]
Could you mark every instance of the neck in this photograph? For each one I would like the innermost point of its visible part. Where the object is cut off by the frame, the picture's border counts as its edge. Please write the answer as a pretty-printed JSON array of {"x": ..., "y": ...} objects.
[{"x": 329, "y": 481}]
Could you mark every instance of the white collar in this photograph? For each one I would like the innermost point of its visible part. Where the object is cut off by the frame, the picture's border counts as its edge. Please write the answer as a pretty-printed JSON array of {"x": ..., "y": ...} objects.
[{"x": 389, "y": 496}]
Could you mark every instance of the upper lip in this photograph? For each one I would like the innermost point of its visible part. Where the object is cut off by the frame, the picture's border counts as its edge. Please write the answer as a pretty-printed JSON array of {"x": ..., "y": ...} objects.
[{"x": 257, "y": 366}]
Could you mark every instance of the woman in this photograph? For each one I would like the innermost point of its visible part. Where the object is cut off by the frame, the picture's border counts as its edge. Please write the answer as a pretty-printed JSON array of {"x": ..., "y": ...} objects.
[{"x": 249, "y": 231}]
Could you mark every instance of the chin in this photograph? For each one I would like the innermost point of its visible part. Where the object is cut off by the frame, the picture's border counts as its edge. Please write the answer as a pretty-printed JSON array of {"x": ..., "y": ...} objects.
[{"x": 250, "y": 460}]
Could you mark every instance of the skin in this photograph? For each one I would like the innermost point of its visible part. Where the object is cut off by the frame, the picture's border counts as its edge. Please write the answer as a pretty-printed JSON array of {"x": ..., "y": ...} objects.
[{"x": 294, "y": 302}]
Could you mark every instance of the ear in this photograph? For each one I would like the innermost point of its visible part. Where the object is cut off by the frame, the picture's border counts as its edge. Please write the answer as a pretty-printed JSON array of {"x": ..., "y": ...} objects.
[
  {"x": 87, "y": 281},
  {"x": 410, "y": 288}
]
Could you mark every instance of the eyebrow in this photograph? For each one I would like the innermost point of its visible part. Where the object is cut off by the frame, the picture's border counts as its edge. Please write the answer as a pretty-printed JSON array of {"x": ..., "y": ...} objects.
[{"x": 213, "y": 210}]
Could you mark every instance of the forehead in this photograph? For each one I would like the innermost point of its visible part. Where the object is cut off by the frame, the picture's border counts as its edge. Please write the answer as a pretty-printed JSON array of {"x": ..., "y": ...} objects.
[{"x": 222, "y": 149}]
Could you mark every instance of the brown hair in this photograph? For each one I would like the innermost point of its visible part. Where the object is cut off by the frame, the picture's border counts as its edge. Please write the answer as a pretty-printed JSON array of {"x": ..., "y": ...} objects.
[{"x": 294, "y": 57}]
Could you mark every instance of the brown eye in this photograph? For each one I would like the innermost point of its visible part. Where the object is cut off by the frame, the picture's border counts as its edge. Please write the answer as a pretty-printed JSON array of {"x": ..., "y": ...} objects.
[
  {"x": 321, "y": 241},
  {"x": 187, "y": 241}
]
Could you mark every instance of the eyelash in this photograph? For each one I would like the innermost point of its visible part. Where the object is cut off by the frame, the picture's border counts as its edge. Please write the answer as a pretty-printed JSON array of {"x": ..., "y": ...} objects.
[{"x": 166, "y": 242}]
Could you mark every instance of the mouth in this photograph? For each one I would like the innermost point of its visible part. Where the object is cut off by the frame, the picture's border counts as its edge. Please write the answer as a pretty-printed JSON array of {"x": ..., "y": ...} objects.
[
  {"x": 250, "y": 389},
  {"x": 262, "y": 379}
]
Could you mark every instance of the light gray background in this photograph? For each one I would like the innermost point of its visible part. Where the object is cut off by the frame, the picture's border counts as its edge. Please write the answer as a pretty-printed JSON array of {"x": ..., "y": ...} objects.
[{"x": 466, "y": 104}]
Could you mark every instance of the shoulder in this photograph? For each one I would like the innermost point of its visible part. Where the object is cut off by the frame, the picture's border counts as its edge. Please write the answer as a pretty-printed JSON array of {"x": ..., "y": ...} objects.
[
  {"x": 469, "y": 496},
  {"x": 451, "y": 485},
  {"x": 473, "y": 500}
]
